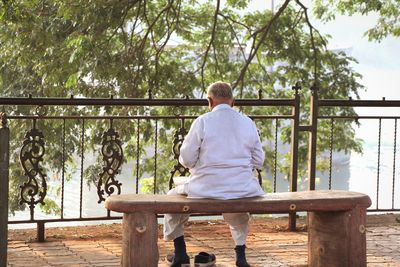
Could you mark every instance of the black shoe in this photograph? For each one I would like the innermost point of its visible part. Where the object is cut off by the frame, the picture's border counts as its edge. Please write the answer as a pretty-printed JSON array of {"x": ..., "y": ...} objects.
[
  {"x": 203, "y": 259},
  {"x": 178, "y": 262},
  {"x": 241, "y": 256},
  {"x": 242, "y": 263}
]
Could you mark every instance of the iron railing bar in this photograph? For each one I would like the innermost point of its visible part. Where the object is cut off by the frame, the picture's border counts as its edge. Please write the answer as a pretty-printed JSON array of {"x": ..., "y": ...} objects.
[
  {"x": 65, "y": 220},
  {"x": 137, "y": 155},
  {"x": 358, "y": 103},
  {"x": 137, "y": 117},
  {"x": 63, "y": 171},
  {"x": 383, "y": 210},
  {"x": 82, "y": 161},
  {"x": 275, "y": 153},
  {"x": 159, "y": 216},
  {"x": 30, "y": 101},
  {"x": 107, "y": 218},
  {"x": 155, "y": 156},
  {"x": 331, "y": 154},
  {"x": 394, "y": 161},
  {"x": 359, "y": 117},
  {"x": 378, "y": 163}
]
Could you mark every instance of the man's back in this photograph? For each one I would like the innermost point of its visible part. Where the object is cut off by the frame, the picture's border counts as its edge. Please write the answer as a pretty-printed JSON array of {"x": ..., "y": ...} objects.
[{"x": 221, "y": 150}]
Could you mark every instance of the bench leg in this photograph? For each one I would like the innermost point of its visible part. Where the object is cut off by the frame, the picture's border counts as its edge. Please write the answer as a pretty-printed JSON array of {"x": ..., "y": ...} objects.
[
  {"x": 337, "y": 238},
  {"x": 140, "y": 234}
]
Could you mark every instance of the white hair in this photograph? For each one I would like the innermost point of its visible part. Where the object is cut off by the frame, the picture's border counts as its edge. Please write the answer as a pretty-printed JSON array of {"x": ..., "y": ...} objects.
[{"x": 220, "y": 90}]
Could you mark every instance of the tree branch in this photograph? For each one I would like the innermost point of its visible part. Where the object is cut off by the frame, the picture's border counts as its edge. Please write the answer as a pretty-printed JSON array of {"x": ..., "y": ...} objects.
[
  {"x": 313, "y": 46},
  {"x": 265, "y": 30},
  {"x": 209, "y": 45},
  {"x": 228, "y": 20}
]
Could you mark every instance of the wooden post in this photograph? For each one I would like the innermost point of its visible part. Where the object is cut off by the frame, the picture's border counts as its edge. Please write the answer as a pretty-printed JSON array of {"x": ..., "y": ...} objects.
[
  {"x": 40, "y": 232},
  {"x": 337, "y": 238},
  {"x": 140, "y": 235},
  {"x": 4, "y": 168}
]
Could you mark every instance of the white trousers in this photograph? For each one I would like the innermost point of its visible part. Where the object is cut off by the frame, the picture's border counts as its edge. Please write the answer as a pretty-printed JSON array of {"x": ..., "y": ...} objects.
[{"x": 174, "y": 223}]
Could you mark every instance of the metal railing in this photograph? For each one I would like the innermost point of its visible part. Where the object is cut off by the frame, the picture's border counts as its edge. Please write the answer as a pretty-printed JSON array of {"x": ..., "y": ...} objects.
[
  {"x": 34, "y": 183},
  {"x": 383, "y": 182}
]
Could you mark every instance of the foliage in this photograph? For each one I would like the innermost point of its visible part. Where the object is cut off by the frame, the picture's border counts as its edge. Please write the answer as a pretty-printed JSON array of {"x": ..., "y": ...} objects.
[
  {"x": 169, "y": 49},
  {"x": 388, "y": 12}
]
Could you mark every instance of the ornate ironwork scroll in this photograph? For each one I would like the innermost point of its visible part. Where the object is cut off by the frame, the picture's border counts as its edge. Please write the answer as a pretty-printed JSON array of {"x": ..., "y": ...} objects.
[
  {"x": 3, "y": 120},
  {"x": 112, "y": 157},
  {"x": 179, "y": 136},
  {"x": 34, "y": 190}
]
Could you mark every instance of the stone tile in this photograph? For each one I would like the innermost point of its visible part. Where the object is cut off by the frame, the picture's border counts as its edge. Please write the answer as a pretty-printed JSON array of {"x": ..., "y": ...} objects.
[{"x": 264, "y": 248}]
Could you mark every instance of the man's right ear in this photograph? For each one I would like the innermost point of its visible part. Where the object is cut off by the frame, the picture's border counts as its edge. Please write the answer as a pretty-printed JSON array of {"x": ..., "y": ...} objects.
[{"x": 210, "y": 102}]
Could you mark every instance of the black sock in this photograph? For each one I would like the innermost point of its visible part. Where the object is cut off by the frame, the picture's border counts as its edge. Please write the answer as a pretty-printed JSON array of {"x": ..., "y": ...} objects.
[
  {"x": 180, "y": 247},
  {"x": 241, "y": 256}
]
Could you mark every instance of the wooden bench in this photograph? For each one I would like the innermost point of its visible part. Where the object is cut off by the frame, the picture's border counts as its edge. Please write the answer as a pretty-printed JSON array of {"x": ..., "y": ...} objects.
[{"x": 336, "y": 222}]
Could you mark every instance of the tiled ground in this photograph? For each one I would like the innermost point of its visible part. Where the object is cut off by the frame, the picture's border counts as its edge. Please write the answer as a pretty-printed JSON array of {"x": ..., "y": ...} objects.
[{"x": 265, "y": 248}]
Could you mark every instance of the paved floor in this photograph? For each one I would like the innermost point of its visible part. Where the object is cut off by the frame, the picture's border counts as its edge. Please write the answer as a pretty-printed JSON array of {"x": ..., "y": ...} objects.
[{"x": 265, "y": 247}]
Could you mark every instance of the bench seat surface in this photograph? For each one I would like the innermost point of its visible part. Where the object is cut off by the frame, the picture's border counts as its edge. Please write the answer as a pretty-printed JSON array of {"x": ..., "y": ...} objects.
[{"x": 321, "y": 200}]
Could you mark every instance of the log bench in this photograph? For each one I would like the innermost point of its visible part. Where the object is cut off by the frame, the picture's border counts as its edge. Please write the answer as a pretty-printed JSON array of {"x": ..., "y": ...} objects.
[{"x": 336, "y": 222}]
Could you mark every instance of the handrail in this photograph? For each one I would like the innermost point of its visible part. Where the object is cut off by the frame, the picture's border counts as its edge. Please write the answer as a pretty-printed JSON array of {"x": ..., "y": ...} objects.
[
  {"x": 358, "y": 103},
  {"x": 30, "y": 101}
]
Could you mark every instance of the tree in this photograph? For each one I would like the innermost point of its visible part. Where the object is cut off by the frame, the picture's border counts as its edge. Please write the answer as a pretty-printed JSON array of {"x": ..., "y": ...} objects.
[
  {"x": 169, "y": 48},
  {"x": 388, "y": 12}
]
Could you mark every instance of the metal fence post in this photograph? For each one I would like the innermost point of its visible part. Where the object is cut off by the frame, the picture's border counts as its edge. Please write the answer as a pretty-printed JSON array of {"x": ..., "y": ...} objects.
[
  {"x": 4, "y": 165},
  {"x": 312, "y": 148},
  {"x": 294, "y": 151}
]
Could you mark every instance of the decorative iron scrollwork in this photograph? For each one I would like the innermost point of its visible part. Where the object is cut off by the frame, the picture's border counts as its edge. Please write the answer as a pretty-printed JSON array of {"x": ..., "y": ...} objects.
[
  {"x": 112, "y": 157},
  {"x": 3, "y": 120},
  {"x": 179, "y": 136},
  {"x": 35, "y": 189}
]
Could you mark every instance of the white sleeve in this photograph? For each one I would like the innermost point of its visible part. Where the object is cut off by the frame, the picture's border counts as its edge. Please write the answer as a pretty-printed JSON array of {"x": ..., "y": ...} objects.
[
  {"x": 257, "y": 155},
  {"x": 190, "y": 149}
]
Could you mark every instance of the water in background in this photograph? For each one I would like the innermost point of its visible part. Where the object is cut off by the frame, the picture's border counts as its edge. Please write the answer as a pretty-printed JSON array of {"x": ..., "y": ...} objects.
[{"x": 355, "y": 172}]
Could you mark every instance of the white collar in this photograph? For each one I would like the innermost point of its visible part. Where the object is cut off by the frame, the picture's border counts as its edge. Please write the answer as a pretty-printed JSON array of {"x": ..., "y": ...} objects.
[{"x": 221, "y": 106}]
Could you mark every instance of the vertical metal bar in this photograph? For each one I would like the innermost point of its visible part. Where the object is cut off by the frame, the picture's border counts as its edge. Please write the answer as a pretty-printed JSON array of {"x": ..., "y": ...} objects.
[
  {"x": 294, "y": 152},
  {"x": 312, "y": 149},
  {"x": 82, "y": 159},
  {"x": 137, "y": 155},
  {"x": 63, "y": 171},
  {"x": 275, "y": 152},
  {"x": 295, "y": 143},
  {"x": 331, "y": 154},
  {"x": 155, "y": 157},
  {"x": 4, "y": 179},
  {"x": 394, "y": 161},
  {"x": 379, "y": 163}
]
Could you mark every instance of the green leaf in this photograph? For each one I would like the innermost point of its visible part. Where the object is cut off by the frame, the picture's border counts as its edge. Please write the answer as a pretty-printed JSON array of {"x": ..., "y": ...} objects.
[{"x": 72, "y": 80}]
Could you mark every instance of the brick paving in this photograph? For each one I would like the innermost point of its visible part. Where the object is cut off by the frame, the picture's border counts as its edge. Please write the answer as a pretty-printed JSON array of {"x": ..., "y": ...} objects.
[{"x": 265, "y": 248}]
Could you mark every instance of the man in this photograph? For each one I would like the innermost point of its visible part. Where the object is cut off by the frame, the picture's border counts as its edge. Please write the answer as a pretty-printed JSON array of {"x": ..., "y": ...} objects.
[{"x": 221, "y": 150}]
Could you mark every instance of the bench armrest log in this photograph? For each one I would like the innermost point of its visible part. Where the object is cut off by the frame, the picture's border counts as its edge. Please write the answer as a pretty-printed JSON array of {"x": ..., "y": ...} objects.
[{"x": 336, "y": 222}]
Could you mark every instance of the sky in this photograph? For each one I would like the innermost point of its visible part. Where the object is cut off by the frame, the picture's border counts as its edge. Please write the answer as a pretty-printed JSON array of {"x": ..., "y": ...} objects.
[{"x": 378, "y": 62}]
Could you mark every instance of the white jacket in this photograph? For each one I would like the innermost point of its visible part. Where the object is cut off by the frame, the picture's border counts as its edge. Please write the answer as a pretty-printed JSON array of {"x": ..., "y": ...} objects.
[{"x": 221, "y": 150}]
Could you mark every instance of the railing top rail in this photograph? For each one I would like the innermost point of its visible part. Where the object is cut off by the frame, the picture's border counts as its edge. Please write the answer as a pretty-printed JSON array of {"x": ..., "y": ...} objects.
[
  {"x": 141, "y": 117},
  {"x": 358, "y": 117},
  {"x": 358, "y": 103},
  {"x": 30, "y": 101}
]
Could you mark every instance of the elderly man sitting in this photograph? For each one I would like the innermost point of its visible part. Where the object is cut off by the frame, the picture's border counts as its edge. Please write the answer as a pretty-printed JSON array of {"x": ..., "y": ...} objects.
[{"x": 221, "y": 150}]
